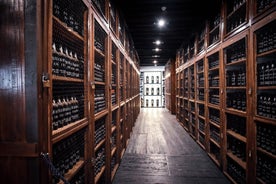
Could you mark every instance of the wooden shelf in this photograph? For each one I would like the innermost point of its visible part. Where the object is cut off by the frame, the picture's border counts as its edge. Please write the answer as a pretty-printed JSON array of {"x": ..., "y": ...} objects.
[
  {"x": 213, "y": 68},
  {"x": 201, "y": 145},
  {"x": 200, "y": 131},
  {"x": 266, "y": 53},
  {"x": 113, "y": 151},
  {"x": 72, "y": 172},
  {"x": 69, "y": 129},
  {"x": 99, "y": 175},
  {"x": 214, "y": 142},
  {"x": 259, "y": 180},
  {"x": 237, "y": 159},
  {"x": 214, "y": 28},
  {"x": 69, "y": 30},
  {"x": 267, "y": 153},
  {"x": 98, "y": 51},
  {"x": 213, "y": 157},
  {"x": 113, "y": 129},
  {"x": 264, "y": 120},
  {"x": 229, "y": 177},
  {"x": 214, "y": 124},
  {"x": 101, "y": 114},
  {"x": 237, "y": 136},
  {"x": 99, "y": 83},
  {"x": 235, "y": 111},
  {"x": 100, "y": 144},
  {"x": 244, "y": 34},
  {"x": 238, "y": 62},
  {"x": 266, "y": 88},
  {"x": 113, "y": 172},
  {"x": 67, "y": 79}
]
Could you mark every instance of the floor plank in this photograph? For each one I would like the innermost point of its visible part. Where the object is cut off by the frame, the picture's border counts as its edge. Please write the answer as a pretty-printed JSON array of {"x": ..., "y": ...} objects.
[{"x": 160, "y": 151}]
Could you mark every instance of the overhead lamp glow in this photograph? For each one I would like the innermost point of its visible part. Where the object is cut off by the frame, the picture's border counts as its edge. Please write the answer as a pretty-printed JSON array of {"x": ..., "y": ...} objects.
[
  {"x": 155, "y": 62},
  {"x": 155, "y": 56},
  {"x": 157, "y": 49},
  {"x": 157, "y": 42},
  {"x": 161, "y": 22}
]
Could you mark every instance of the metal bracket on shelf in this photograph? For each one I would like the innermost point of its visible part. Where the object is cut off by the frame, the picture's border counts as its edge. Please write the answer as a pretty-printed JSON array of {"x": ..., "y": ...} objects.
[
  {"x": 250, "y": 91},
  {"x": 55, "y": 172},
  {"x": 92, "y": 85},
  {"x": 45, "y": 80}
]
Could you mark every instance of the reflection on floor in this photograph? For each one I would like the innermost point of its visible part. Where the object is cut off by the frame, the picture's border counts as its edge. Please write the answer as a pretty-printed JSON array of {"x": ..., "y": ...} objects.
[{"x": 160, "y": 151}]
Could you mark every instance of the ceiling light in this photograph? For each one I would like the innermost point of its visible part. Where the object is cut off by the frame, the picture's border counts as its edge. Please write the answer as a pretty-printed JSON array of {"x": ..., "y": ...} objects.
[
  {"x": 157, "y": 42},
  {"x": 161, "y": 22},
  {"x": 155, "y": 62},
  {"x": 155, "y": 56},
  {"x": 163, "y": 8},
  {"x": 157, "y": 49}
]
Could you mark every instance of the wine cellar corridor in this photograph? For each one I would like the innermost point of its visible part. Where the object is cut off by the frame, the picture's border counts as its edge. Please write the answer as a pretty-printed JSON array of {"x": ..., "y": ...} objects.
[
  {"x": 161, "y": 151},
  {"x": 140, "y": 91}
]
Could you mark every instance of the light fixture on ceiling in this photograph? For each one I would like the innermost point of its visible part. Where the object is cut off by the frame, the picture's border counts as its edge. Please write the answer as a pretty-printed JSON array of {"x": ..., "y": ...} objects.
[
  {"x": 163, "y": 8},
  {"x": 155, "y": 56},
  {"x": 161, "y": 22},
  {"x": 157, "y": 49},
  {"x": 155, "y": 61},
  {"x": 157, "y": 42}
]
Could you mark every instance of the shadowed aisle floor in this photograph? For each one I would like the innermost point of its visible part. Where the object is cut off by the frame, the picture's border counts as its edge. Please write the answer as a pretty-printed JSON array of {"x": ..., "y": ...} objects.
[{"x": 160, "y": 151}]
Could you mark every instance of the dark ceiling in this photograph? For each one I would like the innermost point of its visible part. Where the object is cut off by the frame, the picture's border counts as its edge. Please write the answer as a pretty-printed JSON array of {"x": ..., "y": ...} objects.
[{"x": 184, "y": 19}]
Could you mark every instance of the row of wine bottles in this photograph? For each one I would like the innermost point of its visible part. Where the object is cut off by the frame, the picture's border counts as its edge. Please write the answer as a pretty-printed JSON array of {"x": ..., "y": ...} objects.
[
  {"x": 213, "y": 61},
  {"x": 214, "y": 37},
  {"x": 236, "y": 52},
  {"x": 99, "y": 70},
  {"x": 236, "y": 124},
  {"x": 236, "y": 20},
  {"x": 69, "y": 13},
  {"x": 266, "y": 39},
  {"x": 213, "y": 81},
  {"x": 236, "y": 100},
  {"x": 156, "y": 104},
  {"x": 200, "y": 94},
  {"x": 215, "y": 133},
  {"x": 68, "y": 152},
  {"x": 152, "y": 91},
  {"x": 214, "y": 115},
  {"x": 264, "y": 4},
  {"x": 99, "y": 160},
  {"x": 113, "y": 140},
  {"x": 100, "y": 101},
  {"x": 201, "y": 124},
  {"x": 100, "y": 37},
  {"x": 65, "y": 111},
  {"x": 266, "y": 105},
  {"x": 266, "y": 74},
  {"x": 152, "y": 79},
  {"x": 100, "y": 131},
  {"x": 266, "y": 138},
  {"x": 266, "y": 168},
  {"x": 214, "y": 96},
  {"x": 113, "y": 96},
  {"x": 237, "y": 147},
  {"x": 201, "y": 110},
  {"x": 236, "y": 77},
  {"x": 66, "y": 63},
  {"x": 236, "y": 4},
  {"x": 236, "y": 171}
]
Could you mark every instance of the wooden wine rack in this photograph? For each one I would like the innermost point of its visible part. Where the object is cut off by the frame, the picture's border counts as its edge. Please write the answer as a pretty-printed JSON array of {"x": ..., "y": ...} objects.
[{"x": 234, "y": 90}]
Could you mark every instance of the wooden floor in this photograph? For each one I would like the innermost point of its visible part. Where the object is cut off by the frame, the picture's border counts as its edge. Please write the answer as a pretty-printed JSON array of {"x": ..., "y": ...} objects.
[{"x": 160, "y": 151}]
